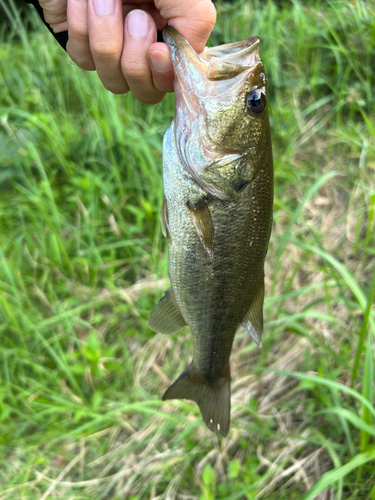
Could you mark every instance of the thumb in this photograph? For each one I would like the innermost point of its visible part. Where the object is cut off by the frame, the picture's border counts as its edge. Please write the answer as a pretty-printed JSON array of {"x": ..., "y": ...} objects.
[{"x": 194, "y": 19}]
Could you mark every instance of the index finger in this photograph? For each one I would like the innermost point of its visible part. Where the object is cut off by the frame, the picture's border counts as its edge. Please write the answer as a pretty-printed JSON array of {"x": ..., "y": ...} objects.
[{"x": 55, "y": 13}]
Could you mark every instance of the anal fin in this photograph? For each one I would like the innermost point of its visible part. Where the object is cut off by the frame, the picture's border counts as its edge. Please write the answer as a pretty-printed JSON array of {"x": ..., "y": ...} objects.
[
  {"x": 253, "y": 319},
  {"x": 166, "y": 317}
]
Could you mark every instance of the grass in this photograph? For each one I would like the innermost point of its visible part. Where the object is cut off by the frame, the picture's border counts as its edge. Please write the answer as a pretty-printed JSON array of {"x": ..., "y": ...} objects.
[{"x": 82, "y": 263}]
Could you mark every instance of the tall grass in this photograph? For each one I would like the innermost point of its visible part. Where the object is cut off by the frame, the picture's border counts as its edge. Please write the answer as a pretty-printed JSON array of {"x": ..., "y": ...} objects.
[{"x": 82, "y": 263}]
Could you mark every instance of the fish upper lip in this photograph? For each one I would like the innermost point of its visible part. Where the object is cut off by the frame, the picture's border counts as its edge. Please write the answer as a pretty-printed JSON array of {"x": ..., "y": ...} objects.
[{"x": 226, "y": 52}]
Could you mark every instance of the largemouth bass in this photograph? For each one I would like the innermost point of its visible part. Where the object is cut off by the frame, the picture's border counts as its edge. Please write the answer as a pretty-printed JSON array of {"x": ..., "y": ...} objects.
[{"x": 216, "y": 213}]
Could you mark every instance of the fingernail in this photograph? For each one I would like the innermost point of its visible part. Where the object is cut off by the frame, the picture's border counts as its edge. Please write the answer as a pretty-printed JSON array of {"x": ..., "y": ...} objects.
[
  {"x": 160, "y": 61},
  {"x": 104, "y": 7},
  {"x": 138, "y": 24}
]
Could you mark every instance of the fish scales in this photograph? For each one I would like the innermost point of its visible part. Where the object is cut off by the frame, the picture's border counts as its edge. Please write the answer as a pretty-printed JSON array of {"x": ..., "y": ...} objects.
[{"x": 217, "y": 213}]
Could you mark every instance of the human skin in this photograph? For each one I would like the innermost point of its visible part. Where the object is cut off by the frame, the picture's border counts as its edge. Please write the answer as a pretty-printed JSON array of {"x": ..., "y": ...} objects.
[{"x": 117, "y": 38}]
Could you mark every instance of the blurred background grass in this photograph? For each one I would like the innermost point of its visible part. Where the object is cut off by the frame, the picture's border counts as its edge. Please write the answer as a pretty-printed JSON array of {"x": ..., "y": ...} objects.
[{"x": 83, "y": 262}]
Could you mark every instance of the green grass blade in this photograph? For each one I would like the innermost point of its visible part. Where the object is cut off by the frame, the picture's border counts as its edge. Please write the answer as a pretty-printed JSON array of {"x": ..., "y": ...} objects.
[
  {"x": 338, "y": 473},
  {"x": 287, "y": 233},
  {"x": 368, "y": 393},
  {"x": 351, "y": 417},
  {"x": 328, "y": 383},
  {"x": 361, "y": 341}
]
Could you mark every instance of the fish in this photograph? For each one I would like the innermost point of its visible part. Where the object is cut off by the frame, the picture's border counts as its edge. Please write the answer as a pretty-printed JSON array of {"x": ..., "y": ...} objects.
[{"x": 216, "y": 213}]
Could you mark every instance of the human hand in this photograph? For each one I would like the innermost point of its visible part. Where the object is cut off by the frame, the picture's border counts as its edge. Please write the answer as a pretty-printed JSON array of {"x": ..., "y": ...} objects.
[{"x": 117, "y": 38}]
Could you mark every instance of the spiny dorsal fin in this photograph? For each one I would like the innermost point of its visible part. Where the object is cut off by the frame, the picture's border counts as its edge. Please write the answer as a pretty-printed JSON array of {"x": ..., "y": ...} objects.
[
  {"x": 166, "y": 317},
  {"x": 203, "y": 225},
  {"x": 253, "y": 319}
]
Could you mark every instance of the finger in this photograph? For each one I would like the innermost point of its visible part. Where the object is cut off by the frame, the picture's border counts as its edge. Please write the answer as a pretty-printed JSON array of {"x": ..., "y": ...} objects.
[
  {"x": 106, "y": 42},
  {"x": 78, "y": 46},
  {"x": 194, "y": 19},
  {"x": 161, "y": 67},
  {"x": 60, "y": 27},
  {"x": 140, "y": 34},
  {"x": 147, "y": 7},
  {"x": 54, "y": 11},
  {"x": 155, "y": 14}
]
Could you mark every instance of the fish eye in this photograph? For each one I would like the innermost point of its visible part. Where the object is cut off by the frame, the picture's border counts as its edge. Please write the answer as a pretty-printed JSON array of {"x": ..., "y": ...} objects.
[{"x": 255, "y": 101}]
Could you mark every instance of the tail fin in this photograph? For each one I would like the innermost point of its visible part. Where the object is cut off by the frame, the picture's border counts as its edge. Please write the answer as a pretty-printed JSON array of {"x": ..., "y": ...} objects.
[{"x": 213, "y": 398}]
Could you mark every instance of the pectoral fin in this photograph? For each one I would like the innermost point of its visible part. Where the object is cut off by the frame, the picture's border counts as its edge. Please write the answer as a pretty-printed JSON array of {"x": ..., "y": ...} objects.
[
  {"x": 166, "y": 317},
  {"x": 164, "y": 220},
  {"x": 203, "y": 225},
  {"x": 253, "y": 319}
]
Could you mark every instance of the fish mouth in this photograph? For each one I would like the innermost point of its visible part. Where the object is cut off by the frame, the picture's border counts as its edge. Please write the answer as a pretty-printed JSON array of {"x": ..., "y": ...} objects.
[{"x": 214, "y": 63}]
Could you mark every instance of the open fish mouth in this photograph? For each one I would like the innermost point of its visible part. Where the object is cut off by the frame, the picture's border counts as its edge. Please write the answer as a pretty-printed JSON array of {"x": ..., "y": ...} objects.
[{"x": 216, "y": 63}]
